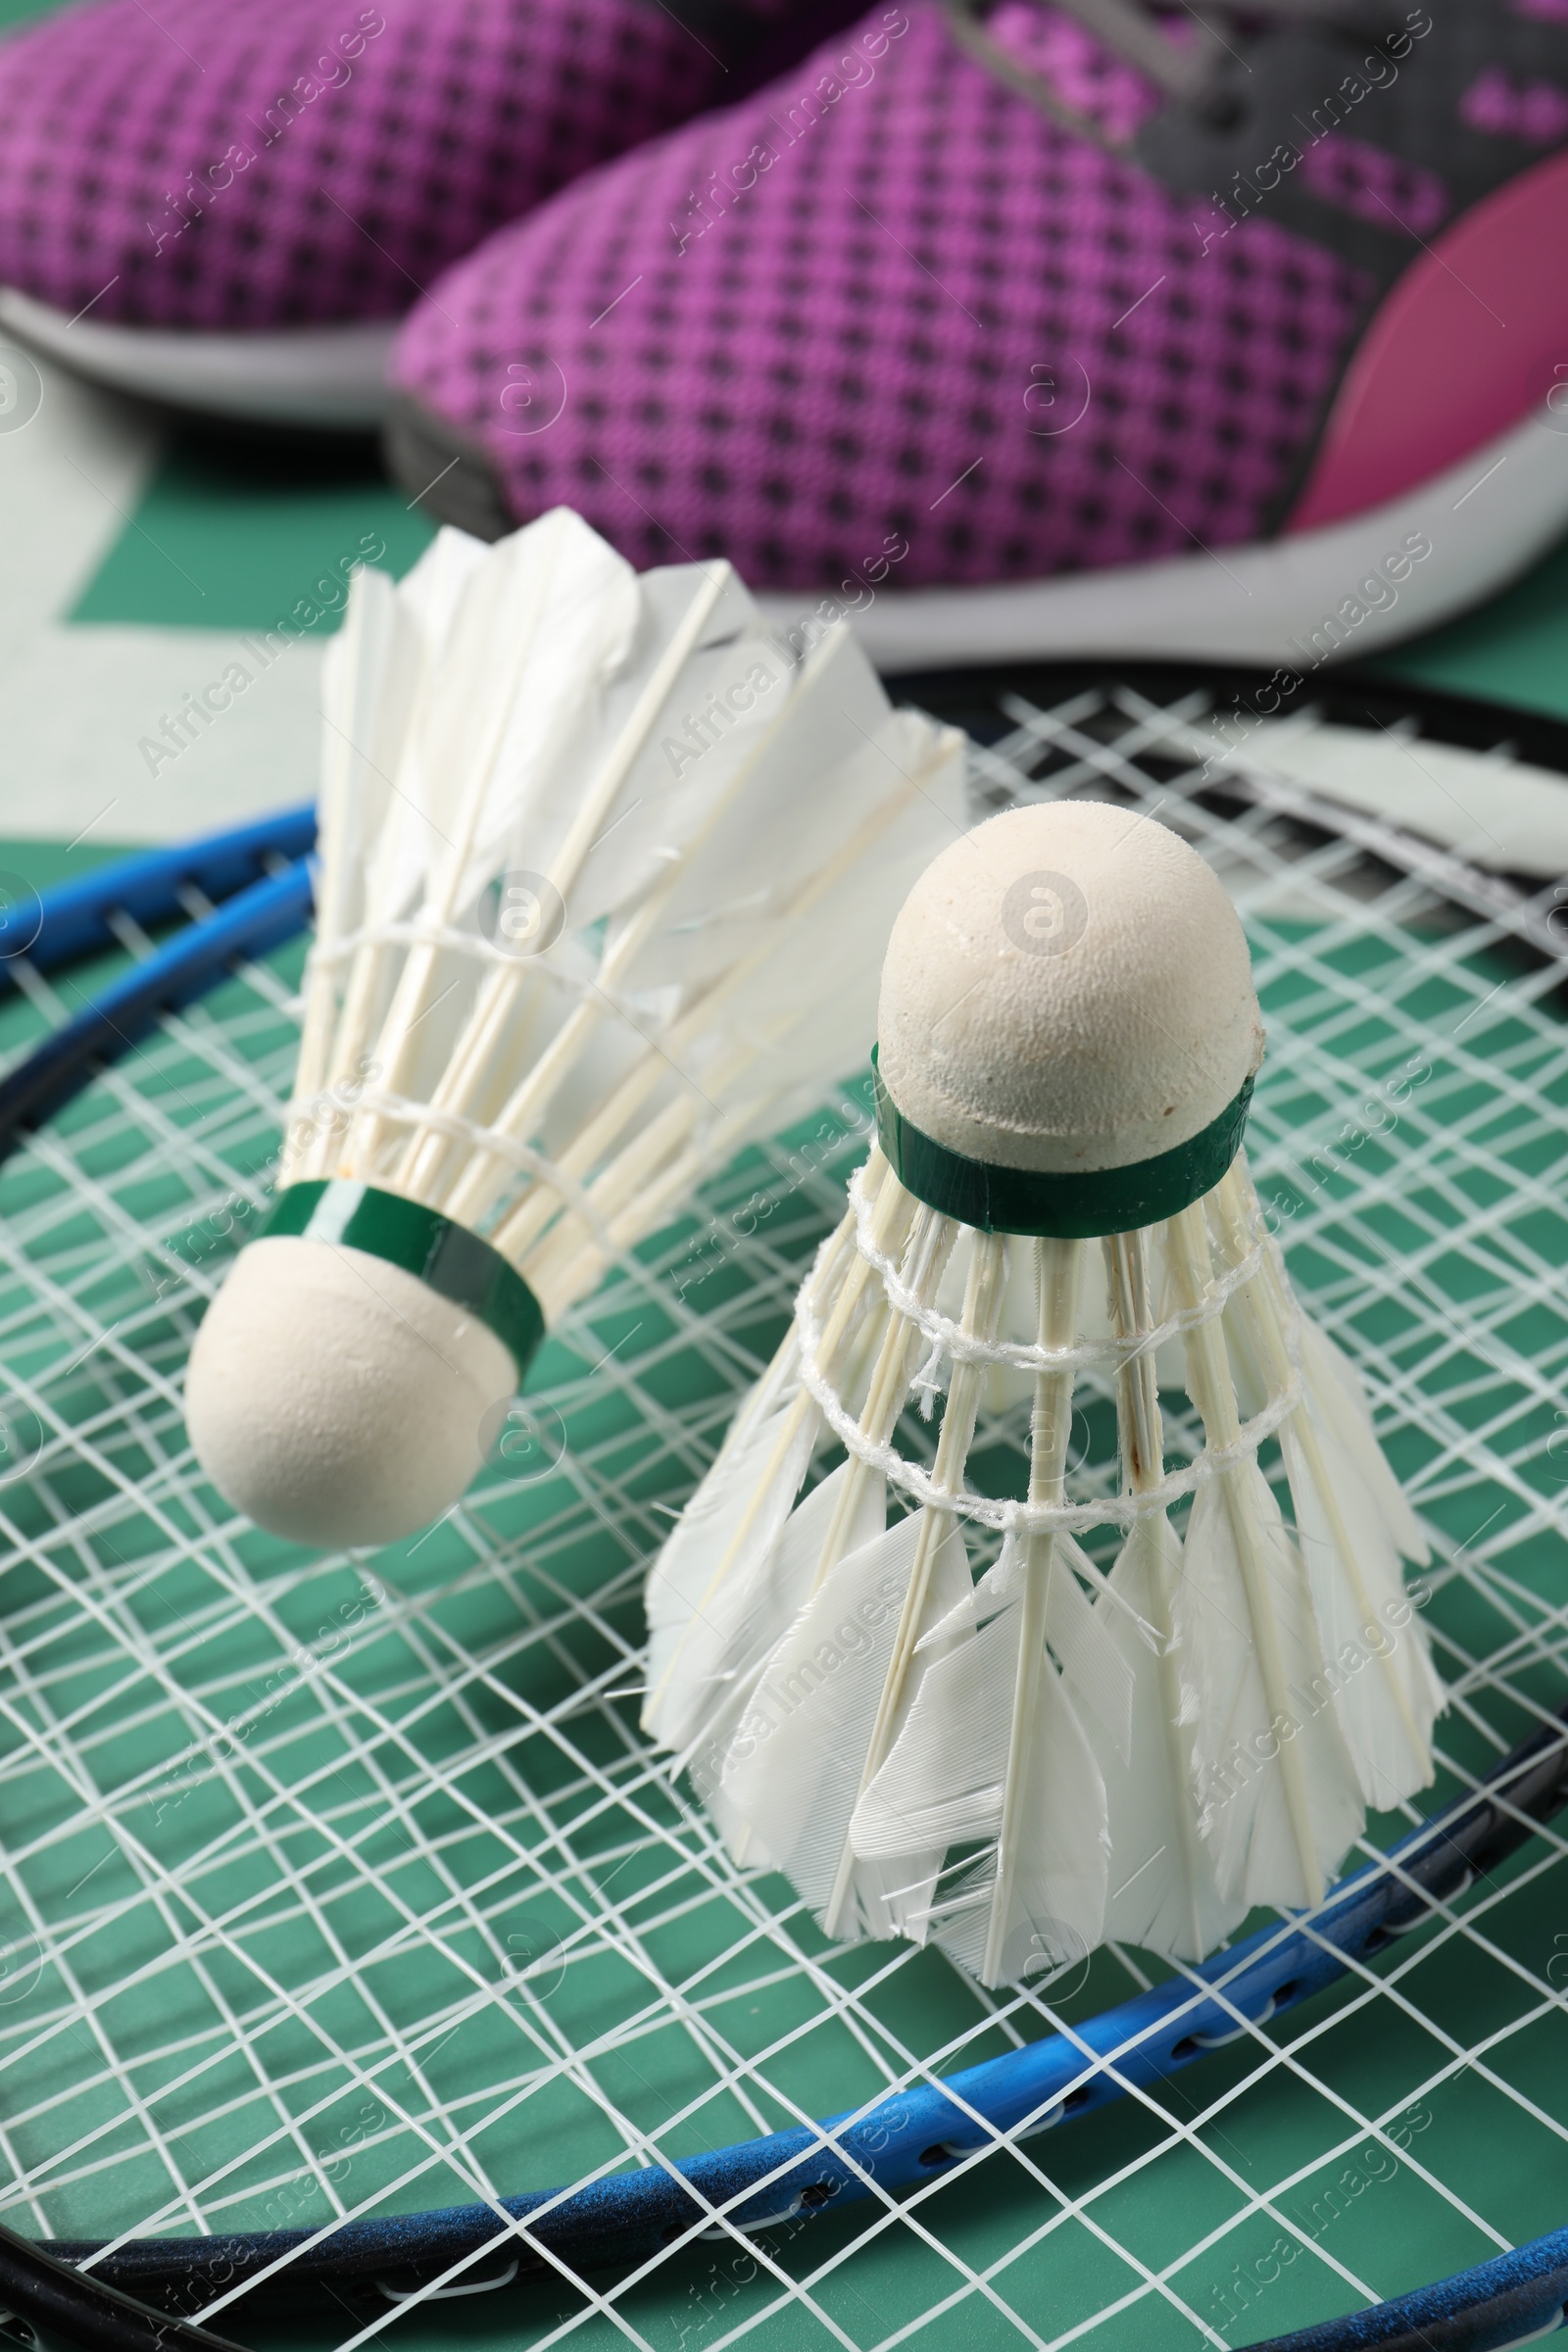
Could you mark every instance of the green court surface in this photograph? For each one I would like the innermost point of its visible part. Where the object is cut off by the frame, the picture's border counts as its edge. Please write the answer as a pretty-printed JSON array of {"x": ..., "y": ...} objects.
[{"x": 225, "y": 539}]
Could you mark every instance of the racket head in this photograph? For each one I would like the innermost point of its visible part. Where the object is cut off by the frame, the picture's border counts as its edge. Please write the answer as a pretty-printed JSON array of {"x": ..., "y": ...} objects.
[{"x": 348, "y": 1887}]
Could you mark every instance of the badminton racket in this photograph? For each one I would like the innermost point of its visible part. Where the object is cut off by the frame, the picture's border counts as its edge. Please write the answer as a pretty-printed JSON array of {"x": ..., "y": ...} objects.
[
  {"x": 905, "y": 2139},
  {"x": 243, "y": 892},
  {"x": 353, "y": 1938}
]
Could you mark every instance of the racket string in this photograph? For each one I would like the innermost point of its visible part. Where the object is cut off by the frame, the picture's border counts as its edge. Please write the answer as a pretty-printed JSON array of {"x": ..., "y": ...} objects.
[{"x": 520, "y": 1613}]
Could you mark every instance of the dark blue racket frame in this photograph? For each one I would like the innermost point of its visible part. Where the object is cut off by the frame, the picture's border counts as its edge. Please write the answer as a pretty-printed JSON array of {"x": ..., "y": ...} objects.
[{"x": 259, "y": 882}]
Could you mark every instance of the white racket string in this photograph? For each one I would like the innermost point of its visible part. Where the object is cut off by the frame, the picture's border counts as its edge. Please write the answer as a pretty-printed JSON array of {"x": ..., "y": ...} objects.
[{"x": 337, "y": 1887}]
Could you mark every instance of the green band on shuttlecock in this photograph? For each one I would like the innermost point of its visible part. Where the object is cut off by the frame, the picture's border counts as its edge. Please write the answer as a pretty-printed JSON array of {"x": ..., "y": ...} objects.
[
  {"x": 454, "y": 1262},
  {"x": 1075, "y": 1208}
]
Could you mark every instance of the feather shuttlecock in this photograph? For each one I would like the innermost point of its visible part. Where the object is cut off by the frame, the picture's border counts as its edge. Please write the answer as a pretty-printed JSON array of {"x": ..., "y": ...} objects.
[
  {"x": 913, "y": 1690},
  {"x": 605, "y": 879}
]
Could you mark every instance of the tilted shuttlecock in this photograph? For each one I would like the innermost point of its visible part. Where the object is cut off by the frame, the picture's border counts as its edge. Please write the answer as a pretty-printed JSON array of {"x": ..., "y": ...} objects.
[
  {"x": 1017, "y": 1763},
  {"x": 605, "y": 881}
]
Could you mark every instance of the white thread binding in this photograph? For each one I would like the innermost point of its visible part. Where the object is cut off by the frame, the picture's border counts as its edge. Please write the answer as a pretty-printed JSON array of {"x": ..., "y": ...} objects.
[{"x": 1020, "y": 1356}]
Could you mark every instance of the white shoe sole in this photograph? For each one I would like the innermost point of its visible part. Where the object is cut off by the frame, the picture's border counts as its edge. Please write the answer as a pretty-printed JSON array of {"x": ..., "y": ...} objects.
[
  {"x": 1290, "y": 602},
  {"x": 326, "y": 377}
]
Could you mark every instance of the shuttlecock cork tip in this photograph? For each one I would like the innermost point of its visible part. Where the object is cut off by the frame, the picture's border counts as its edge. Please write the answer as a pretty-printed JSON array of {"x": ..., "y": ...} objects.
[
  {"x": 337, "y": 1399},
  {"x": 1066, "y": 989}
]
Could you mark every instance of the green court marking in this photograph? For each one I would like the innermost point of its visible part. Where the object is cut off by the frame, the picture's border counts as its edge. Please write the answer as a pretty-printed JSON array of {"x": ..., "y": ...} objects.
[
  {"x": 230, "y": 536},
  {"x": 235, "y": 536},
  {"x": 1512, "y": 650},
  {"x": 40, "y": 864}
]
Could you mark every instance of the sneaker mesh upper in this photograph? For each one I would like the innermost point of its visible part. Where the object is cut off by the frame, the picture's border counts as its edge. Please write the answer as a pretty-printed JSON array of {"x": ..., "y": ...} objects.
[
  {"x": 376, "y": 156},
  {"x": 815, "y": 327}
]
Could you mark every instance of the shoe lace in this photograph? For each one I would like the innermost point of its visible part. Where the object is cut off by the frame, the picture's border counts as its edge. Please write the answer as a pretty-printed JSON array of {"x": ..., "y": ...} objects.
[{"x": 1194, "y": 70}]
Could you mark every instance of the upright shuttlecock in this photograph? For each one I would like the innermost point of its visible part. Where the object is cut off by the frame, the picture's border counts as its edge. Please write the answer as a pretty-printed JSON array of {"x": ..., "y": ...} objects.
[
  {"x": 1000, "y": 1763},
  {"x": 605, "y": 882}
]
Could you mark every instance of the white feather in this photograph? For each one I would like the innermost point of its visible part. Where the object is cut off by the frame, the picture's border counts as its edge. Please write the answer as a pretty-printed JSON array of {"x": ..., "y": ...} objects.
[
  {"x": 514, "y": 725},
  {"x": 374, "y": 838},
  {"x": 1163, "y": 1892},
  {"x": 1340, "y": 1406},
  {"x": 796, "y": 1765},
  {"x": 1075, "y": 1629},
  {"x": 368, "y": 674},
  {"x": 759, "y": 1615},
  {"x": 414, "y": 833},
  {"x": 697, "y": 633},
  {"x": 716, "y": 833},
  {"x": 942, "y": 1783},
  {"x": 945, "y": 1786},
  {"x": 752, "y": 1614},
  {"x": 785, "y": 786},
  {"x": 767, "y": 948},
  {"x": 1384, "y": 1694},
  {"x": 717, "y": 1548},
  {"x": 1250, "y": 1752},
  {"x": 1080, "y": 1634}
]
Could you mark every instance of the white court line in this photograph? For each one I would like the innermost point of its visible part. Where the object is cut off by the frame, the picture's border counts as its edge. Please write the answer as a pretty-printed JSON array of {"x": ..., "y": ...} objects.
[
  {"x": 76, "y": 705},
  {"x": 64, "y": 476}
]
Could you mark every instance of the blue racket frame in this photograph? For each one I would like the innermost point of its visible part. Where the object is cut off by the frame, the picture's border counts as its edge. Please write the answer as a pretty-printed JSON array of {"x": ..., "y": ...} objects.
[
  {"x": 923, "y": 2130},
  {"x": 257, "y": 876}
]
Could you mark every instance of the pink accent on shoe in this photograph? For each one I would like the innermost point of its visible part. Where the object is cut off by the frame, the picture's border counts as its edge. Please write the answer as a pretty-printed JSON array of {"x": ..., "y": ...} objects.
[
  {"x": 1375, "y": 185},
  {"x": 1461, "y": 350},
  {"x": 1536, "y": 112}
]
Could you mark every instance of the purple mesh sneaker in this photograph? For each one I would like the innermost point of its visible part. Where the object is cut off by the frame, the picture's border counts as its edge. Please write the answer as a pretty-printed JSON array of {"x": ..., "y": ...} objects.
[
  {"x": 230, "y": 207},
  {"x": 1044, "y": 330}
]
